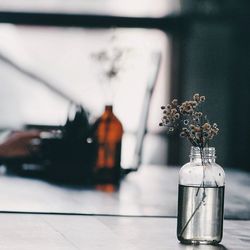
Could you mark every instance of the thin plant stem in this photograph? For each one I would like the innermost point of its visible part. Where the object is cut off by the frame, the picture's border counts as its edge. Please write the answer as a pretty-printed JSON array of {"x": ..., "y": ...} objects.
[
  {"x": 202, "y": 185},
  {"x": 195, "y": 211}
]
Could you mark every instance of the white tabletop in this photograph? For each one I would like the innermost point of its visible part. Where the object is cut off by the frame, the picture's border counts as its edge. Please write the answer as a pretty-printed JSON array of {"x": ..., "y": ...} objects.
[
  {"x": 52, "y": 232},
  {"x": 152, "y": 191}
]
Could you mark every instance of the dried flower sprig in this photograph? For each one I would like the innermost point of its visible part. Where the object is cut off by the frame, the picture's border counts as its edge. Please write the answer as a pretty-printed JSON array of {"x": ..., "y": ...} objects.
[
  {"x": 111, "y": 60},
  {"x": 195, "y": 125}
]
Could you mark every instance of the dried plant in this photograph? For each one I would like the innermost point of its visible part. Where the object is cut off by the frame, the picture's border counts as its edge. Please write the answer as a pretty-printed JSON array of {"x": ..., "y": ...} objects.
[
  {"x": 189, "y": 119},
  {"x": 111, "y": 63},
  {"x": 111, "y": 60}
]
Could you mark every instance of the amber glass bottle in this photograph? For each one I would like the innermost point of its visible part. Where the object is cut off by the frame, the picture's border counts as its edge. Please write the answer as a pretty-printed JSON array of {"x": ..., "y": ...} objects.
[{"x": 108, "y": 136}]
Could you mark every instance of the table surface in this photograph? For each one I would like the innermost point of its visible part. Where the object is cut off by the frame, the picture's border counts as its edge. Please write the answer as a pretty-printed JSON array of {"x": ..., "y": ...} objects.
[
  {"x": 24, "y": 232},
  {"x": 152, "y": 191},
  {"x": 141, "y": 215}
]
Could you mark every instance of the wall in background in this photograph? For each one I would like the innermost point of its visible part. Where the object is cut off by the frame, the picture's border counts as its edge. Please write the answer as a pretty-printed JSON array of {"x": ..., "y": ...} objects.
[{"x": 216, "y": 63}]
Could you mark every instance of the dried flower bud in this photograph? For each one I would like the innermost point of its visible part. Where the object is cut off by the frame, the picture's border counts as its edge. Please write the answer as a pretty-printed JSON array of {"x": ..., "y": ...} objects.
[
  {"x": 206, "y": 126},
  {"x": 177, "y": 116},
  {"x": 195, "y": 104},
  {"x": 196, "y": 97},
  {"x": 215, "y": 131},
  {"x": 202, "y": 98},
  {"x": 198, "y": 114},
  {"x": 189, "y": 109},
  {"x": 174, "y": 111},
  {"x": 197, "y": 129},
  {"x": 175, "y": 102}
]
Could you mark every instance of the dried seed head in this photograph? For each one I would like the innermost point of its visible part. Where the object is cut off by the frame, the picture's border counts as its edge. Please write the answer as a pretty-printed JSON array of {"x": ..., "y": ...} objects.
[
  {"x": 189, "y": 113},
  {"x": 202, "y": 98},
  {"x": 195, "y": 104},
  {"x": 196, "y": 97},
  {"x": 174, "y": 111},
  {"x": 175, "y": 102},
  {"x": 198, "y": 114},
  {"x": 206, "y": 126},
  {"x": 189, "y": 109},
  {"x": 177, "y": 116},
  {"x": 197, "y": 129}
]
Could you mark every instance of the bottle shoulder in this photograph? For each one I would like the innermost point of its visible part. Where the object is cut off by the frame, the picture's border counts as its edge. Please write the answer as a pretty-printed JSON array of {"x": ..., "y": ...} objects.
[
  {"x": 108, "y": 128},
  {"x": 109, "y": 117},
  {"x": 194, "y": 173},
  {"x": 199, "y": 166}
]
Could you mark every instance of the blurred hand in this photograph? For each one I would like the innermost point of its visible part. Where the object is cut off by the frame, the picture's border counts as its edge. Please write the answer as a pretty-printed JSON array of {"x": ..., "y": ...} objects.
[{"x": 18, "y": 144}]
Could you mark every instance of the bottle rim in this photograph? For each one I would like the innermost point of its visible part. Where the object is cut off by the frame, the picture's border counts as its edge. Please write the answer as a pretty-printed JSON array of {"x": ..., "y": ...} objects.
[{"x": 208, "y": 152}]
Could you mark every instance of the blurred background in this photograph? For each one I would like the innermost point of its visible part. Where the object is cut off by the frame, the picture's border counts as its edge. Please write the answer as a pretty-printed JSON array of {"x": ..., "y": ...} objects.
[{"x": 46, "y": 63}]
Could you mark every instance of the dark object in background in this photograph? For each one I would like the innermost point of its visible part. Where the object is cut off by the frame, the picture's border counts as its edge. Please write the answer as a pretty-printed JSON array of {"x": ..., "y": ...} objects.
[
  {"x": 77, "y": 153},
  {"x": 68, "y": 156},
  {"x": 107, "y": 137},
  {"x": 65, "y": 153}
]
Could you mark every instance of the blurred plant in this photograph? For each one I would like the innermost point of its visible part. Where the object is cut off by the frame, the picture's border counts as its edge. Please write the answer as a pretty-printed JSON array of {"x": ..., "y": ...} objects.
[
  {"x": 111, "y": 61},
  {"x": 189, "y": 119}
]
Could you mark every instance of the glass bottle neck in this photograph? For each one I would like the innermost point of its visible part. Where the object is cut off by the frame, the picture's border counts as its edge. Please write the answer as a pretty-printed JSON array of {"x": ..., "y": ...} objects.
[
  {"x": 201, "y": 160},
  {"x": 205, "y": 155},
  {"x": 109, "y": 108}
]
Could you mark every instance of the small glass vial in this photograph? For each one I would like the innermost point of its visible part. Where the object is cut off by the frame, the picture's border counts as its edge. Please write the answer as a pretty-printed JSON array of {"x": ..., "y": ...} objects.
[
  {"x": 201, "y": 199},
  {"x": 108, "y": 137}
]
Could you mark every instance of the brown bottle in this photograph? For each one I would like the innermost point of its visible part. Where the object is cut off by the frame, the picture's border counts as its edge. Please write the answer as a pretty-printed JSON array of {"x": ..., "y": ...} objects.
[{"x": 108, "y": 137}]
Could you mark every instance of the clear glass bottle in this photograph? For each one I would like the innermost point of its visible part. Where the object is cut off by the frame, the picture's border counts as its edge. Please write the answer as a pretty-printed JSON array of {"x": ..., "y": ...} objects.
[
  {"x": 108, "y": 137},
  {"x": 201, "y": 199}
]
